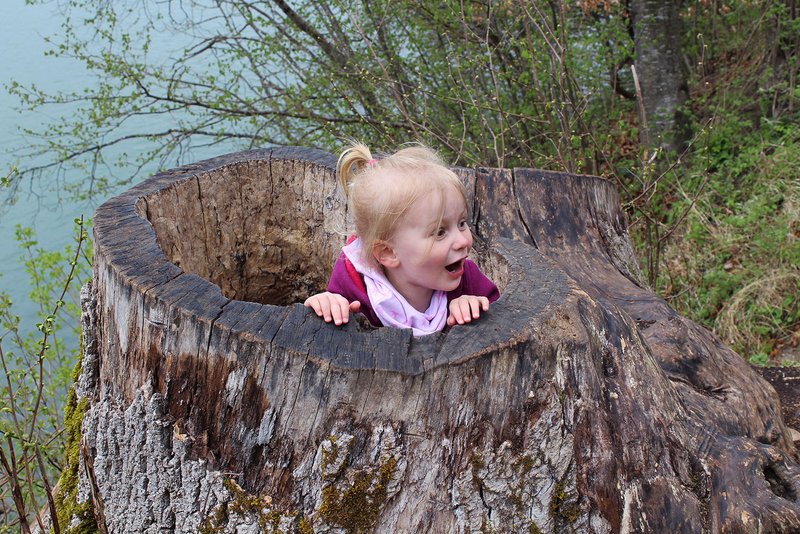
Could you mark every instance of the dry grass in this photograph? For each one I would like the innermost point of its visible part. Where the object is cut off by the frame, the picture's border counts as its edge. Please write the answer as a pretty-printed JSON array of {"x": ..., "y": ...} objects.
[{"x": 753, "y": 310}]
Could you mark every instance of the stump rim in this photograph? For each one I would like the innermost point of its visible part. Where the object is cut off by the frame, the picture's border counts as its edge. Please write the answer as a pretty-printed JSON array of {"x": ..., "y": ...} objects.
[{"x": 146, "y": 269}]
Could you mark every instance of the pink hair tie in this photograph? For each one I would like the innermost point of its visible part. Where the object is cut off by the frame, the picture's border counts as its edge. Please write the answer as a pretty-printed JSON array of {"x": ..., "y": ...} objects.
[{"x": 373, "y": 161}]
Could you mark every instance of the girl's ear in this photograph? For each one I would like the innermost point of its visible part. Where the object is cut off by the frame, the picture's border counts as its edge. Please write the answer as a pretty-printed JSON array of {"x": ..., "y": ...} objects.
[{"x": 384, "y": 254}]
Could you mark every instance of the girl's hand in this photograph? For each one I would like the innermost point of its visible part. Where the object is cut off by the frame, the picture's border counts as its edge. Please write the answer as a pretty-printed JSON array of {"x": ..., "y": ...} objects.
[
  {"x": 466, "y": 308},
  {"x": 332, "y": 307}
]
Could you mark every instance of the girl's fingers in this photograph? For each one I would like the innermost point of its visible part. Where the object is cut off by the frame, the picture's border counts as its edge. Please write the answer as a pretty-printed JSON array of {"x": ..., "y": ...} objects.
[
  {"x": 332, "y": 307},
  {"x": 336, "y": 315},
  {"x": 455, "y": 313},
  {"x": 326, "y": 310},
  {"x": 340, "y": 309},
  {"x": 465, "y": 309},
  {"x": 313, "y": 303},
  {"x": 475, "y": 307},
  {"x": 464, "y": 315},
  {"x": 321, "y": 305}
]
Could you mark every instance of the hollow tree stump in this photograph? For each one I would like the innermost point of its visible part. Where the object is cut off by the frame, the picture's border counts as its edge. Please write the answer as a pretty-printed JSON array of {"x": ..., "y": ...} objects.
[{"x": 580, "y": 402}]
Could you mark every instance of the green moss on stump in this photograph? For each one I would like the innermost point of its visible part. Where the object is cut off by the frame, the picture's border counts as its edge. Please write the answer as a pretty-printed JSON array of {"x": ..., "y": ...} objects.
[
  {"x": 244, "y": 504},
  {"x": 329, "y": 457},
  {"x": 524, "y": 464},
  {"x": 66, "y": 494},
  {"x": 478, "y": 464},
  {"x": 357, "y": 508},
  {"x": 304, "y": 526},
  {"x": 216, "y": 520},
  {"x": 562, "y": 509}
]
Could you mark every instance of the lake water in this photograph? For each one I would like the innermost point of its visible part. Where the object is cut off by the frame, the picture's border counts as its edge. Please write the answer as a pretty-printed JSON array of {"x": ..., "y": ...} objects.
[
  {"x": 38, "y": 204},
  {"x": 22, "y": 58}
]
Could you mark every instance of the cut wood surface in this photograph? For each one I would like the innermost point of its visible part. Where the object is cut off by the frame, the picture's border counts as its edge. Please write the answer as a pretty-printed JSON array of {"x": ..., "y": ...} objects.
[{"x": 581, "y": 401}]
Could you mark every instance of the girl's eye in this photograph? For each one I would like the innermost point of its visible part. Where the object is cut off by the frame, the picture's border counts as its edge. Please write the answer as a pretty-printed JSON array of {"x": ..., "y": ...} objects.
[
  {"x": 440, "y": 232},
  {"x": 462, "y": 225}
]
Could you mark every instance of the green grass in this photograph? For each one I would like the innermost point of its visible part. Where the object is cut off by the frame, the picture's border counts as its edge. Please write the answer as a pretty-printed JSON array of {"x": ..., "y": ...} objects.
[{"x": 734, "y": 264}]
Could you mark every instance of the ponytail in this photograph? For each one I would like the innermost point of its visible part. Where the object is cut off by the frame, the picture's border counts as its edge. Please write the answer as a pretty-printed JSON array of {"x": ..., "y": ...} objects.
[{"x": 354, "y": 160}]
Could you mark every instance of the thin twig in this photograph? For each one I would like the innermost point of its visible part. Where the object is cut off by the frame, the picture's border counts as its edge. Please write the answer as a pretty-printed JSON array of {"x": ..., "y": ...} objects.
[
  {"x": 16, "y": 491},
  {"x": 46, "y": 329},
  {"x": 642, "y": 113},
  {"x": 48, "y": 492}
]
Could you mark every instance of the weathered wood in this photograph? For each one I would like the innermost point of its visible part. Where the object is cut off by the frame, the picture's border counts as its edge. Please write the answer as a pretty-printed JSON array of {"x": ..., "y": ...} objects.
[{"x": 580, "y": 402}]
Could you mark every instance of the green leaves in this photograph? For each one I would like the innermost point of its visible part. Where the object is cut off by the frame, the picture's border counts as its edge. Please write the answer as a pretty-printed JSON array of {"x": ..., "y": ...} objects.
[
  {"x": 470, "y": 78},
  {"x": 734, "y": 268},
  {"x": 7, "y": 180},
  {"x": 36, "y": 361}
]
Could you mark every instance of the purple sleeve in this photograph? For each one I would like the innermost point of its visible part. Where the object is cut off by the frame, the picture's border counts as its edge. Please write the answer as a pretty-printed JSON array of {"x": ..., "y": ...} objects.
[
  {"x": 474, "y": 282},
  {"x": 341, "y": 284}
]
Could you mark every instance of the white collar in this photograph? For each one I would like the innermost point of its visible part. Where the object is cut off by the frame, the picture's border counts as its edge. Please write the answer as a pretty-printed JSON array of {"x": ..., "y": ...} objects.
[{"x": 389, "y": 305}]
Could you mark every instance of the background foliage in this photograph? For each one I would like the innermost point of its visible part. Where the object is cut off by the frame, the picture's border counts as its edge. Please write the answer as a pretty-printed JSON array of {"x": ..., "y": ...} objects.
[
  {"x": 490, "y": 83},
  {"x": 37, "y": 366}
]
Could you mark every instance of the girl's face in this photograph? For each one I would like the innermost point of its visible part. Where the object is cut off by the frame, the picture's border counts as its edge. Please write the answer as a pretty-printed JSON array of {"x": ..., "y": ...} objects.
[{"x": 428, "y": 248}]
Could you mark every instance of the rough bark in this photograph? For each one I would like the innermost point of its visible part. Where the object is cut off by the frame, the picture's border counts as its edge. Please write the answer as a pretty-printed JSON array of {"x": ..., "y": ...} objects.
[
  {"x": 661, "y": 72},
  {"x": 580, "y": 402}
]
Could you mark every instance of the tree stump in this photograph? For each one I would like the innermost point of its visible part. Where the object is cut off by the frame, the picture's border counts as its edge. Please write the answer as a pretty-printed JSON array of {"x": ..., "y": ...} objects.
[{"x": 580, "y": 403}]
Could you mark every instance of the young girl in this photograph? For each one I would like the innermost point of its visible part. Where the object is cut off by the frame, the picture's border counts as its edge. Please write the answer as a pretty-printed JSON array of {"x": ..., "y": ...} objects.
[{"x": 407, "y": 265}]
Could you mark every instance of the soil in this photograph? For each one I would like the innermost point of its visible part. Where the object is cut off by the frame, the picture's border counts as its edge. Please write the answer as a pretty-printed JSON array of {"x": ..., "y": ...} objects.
[{"x": 786, "y": 381}]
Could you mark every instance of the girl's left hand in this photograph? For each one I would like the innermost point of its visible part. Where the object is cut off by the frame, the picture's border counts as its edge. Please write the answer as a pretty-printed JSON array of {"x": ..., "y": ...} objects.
[{"x": 466, "y": 308}]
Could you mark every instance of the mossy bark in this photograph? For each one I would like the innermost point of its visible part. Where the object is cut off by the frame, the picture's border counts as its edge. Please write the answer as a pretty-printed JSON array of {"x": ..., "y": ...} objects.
[{"x": 76, "y": 511}]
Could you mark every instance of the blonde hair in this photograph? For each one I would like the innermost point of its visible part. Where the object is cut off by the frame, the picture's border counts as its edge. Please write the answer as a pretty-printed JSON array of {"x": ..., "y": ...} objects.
[{"x": 382, "y": 190}]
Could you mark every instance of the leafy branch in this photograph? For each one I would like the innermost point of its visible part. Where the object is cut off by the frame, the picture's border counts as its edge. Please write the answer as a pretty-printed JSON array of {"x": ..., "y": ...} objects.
[{"x": 30, "y": 426}]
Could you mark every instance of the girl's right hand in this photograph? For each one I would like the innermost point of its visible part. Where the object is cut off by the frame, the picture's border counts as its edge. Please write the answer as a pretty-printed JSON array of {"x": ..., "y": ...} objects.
[{"x": 332, "y": 307}]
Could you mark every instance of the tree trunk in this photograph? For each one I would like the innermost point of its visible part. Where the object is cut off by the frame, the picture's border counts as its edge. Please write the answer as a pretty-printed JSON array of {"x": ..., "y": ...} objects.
[
  {"x": 661, "y": 73},
  {"x": 580, "y": 402}
]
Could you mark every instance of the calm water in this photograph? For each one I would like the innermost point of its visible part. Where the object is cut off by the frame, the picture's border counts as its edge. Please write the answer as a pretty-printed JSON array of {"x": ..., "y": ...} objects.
[{"x": 23, "y": 59}]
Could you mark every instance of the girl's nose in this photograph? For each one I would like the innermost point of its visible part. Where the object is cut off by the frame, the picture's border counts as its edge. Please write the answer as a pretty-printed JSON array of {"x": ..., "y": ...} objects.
[{"x": 462, "y": 240}]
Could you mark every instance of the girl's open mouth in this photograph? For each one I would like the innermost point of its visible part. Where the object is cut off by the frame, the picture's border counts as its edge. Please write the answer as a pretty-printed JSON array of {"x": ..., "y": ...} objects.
[{"x": 456, "y": 268}]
